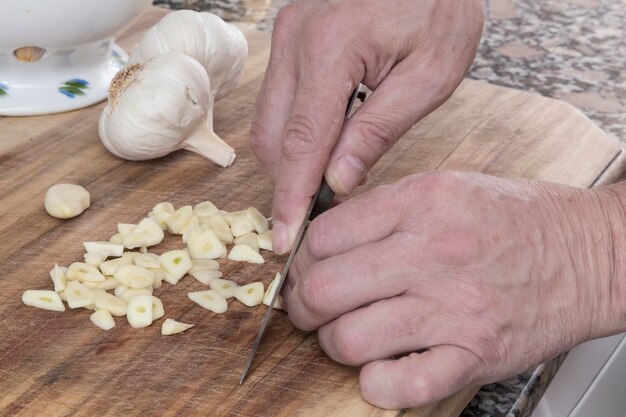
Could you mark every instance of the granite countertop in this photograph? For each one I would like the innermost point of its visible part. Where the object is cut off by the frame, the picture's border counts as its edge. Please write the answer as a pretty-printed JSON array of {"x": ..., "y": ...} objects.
[{"x": 574, "y": 50}]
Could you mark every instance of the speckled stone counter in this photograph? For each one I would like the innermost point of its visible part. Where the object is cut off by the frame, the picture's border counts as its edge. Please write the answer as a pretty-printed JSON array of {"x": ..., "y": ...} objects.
[{"x": 574, "y": 50}]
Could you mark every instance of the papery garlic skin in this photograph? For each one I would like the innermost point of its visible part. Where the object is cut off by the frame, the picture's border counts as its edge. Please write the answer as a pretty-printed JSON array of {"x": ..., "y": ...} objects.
[
  {"x": 218, "y": 46},
  {"x": 160, "y": 106}
]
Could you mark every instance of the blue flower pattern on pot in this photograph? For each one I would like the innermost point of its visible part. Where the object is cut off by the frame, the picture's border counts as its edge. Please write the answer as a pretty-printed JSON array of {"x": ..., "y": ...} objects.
[
  {"x": 74, "y": 87},
  {"x": 4, "y": 90}
]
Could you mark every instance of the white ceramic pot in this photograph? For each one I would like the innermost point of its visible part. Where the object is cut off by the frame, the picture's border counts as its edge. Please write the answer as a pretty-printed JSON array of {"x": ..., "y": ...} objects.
[{"x": 59, "y": 55}]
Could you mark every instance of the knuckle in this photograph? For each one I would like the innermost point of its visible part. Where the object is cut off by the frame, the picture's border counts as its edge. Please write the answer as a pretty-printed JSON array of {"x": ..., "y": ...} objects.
[
  {"x": 318, "y": 236},
  {"x": 315, "y": 292},
  {"x": 301, "y": 138},
  {"x": 378, "y": 134},
  {"x": 258, "y": 141}
]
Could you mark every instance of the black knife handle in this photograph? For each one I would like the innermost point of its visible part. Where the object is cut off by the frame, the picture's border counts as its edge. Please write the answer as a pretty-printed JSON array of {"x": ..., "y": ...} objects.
[{"x": 323, "y": 201}]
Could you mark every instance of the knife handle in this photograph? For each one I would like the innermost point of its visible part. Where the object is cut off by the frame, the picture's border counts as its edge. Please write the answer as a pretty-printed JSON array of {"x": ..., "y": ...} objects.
[{"x": 322, "y": 201}]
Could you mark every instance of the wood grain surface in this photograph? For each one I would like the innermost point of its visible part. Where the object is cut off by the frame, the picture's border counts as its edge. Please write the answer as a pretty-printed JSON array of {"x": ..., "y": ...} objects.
[{"x": 59, "y": 364}]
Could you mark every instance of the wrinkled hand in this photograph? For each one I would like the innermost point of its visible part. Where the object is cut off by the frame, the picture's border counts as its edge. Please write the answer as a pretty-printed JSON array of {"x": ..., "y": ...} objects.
[
  {"x": 478, "y": 278},
  {"x": 412, "y": 53}
]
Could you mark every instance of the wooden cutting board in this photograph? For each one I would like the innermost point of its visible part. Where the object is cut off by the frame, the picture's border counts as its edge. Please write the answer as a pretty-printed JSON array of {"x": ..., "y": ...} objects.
[{"x": 59, "y": 364}]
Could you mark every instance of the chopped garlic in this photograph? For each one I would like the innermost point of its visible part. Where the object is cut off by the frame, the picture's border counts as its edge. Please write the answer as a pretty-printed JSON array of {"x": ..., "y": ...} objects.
[
  {"x": 109, "y": 267},
  {"x": 47, "y": 300},
  {"x": 249, "y": 239},
  {"x": 264, "y": 240},
  {"x": 170, "y": 327},
  {"x": 250, "y": 294},
  {"x": 223, "y": 287},
  {"x": 258, "y": 220},
  {"x": 179, "y": 219},
  {"x": 134, "y": 276},
  {"x": 116, "y": 239},
  {"x": 271, "y": 290},
  {"x": 193, "y": 224},
  {"x": 108, "y": 284},
  {"x": 205, "y": 209},
  {"x": 104, "y": 249},
  {"x": 160, "y": 213},
  {"x": 245, "y": 253},
  {"x": 129, "y": 293},
  {"x": 221, "y": 228},
  {"x": 114, "y": 305},
  {"x": 204, "y": 244},
  {"x": 148, "y": 260},
  {"x": 146, "y": 233},
  {"x": 125, "y": 228},
  {"x": 78, "y": 295},
  {"x": 205, "y": 276},
  {"x": 175, "y": 264},
  {"x": 139, "y": 311},
  {"x": 241, "y": 225},
  {"x": 93, "y": 259},
  {"x": 157, "y": 309},
  {"x": 102, "y": 319},
  {"x": 209, "y": 299},
  {"x": 80, "y": 271},
  {"x": 57, "y": 274}
]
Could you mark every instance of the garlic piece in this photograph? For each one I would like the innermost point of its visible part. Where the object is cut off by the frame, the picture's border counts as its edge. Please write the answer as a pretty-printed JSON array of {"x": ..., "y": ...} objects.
[
  {"x": 175, "y": 264},
  {"x": 125, "y": 228},
  {"x": 271, "y": 290},
  {"x": 223, "y": 287},
  {"x": 64, "y": 201},
  {"x": 78, "y": 295},
  {"x": 205, "y": 276},
  {"x": 160, "y": 106},
  {"x": 205, "y": 209},
  {"x": 116, "y": 239},
  {"x": 148, "y": 260},
  {"x": 80, "y": 271},
  {"x": 139, "y": 311},
  {"x": 249, "y": 239},
  {"x": 260, "y": 223},
  {"x": 146, "y": 233},
  {"x": 171, "y": 326},
  {"x": 57, "y": 274},
  {"x": 102, "y": 319},
  {"x": 218, "y": 46},
  {"x": 157, "y": 309},
  {"x": 93, "y": 259},
  {"x": 204, "y": 244},
  {"x": 109, "y": 302},
  {"x": 108, "y": 284},
  {"x": 104, "y": 249},
  {"x": 134, "y": 276},
  {"x": 129, "y": 293},
  {"x": 245, "y": 253},
  {"x": 161, "y": 212},
  {"x": 109, "y": 267},
  {"x": 240, "y": 224},
  {"x": 264, "y": 240},
  {"x": 221, "y": 228},
  {"x": 179, "y": 219},
  {"x": 47, "y": 300},
  {"x": 250, "y": 294},
  {"x": 209, "y": 299},
  {"x": 194, "y": 223}
]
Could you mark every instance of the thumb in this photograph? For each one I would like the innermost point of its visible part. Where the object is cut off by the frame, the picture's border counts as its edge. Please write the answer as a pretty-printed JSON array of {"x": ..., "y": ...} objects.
[
  {"x": 418, "y": 379},
  {"x": 404, "y": 97}
]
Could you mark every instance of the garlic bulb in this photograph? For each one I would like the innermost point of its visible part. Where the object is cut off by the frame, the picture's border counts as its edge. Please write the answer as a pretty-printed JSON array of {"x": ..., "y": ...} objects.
[
  {"x": 218, "y": 46},
  {"x": 160, "y": 106}
]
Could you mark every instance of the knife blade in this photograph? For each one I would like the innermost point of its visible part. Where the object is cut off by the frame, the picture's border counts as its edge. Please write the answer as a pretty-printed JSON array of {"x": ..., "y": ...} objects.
[{"x": 319, "y": 204}]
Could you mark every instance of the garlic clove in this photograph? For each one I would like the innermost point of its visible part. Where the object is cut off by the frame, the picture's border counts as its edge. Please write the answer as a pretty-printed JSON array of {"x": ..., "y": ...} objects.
[
  {"x": 223, "y": 287},
  {"x": 64, "y": 201}
]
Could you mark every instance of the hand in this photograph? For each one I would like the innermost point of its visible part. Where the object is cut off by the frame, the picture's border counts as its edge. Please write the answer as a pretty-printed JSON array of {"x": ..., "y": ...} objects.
[
  {"x": 478, "y": 277},
  {"x": 412, "y": 53}
]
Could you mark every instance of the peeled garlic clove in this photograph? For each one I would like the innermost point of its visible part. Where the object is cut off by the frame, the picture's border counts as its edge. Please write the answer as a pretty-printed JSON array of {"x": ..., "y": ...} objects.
[
  {"x": 218, "y": 46},
  {"x": 134, "y": 276},
  {"x": 170, "y": 327},
  {"x": 148, "y": 260},
  {"x": 109, "y": 302},
  {"x": 249, "y": 239},
  {"x": 250, "y": 294},
  {"x": 47, "y": 300},
  {"x": 223, "y": 287},
  {"x": 205, "y": 276},
  {"x": 139, "y": 311},
  {"x": 179, "y": 219},
  {"x": 271, "y": 290},
  {"x": 109, "y": 267},
  {"x": 102, "y": 319},
  {"x": 80, "y": 271},
  {"x": 220, "y": 227},
  {"x": 260, "y": 223},
  {"x": 264, "y": 240},
  {"x": 175, "y": 264},
  {"x": 64, "y": 201},
  {"x": 241, "y": 225},
  {"x": 104, "y": 249},
  {"x": 160, "y": 106},
  {"x": 209, "y": 299},
  {"x": 243, "y": 253},
  {"x": 129, "y": 293},
  {"x": 57, "y": 274},
  {"x": 205, "y": 209},
  {"x": 78, "y": 295},
  {"x": 204, "y": 244},
  {"x": 146, "y": 233},
  {"x": 157, "y": 309}
]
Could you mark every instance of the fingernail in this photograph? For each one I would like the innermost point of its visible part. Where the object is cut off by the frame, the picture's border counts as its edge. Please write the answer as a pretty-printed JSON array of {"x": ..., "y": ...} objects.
[
  {"x": 347, "y": 171},
  {"x": 280, "y": 238}
]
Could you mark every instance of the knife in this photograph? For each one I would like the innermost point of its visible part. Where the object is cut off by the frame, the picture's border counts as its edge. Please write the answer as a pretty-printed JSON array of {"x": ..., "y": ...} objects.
[{"x": 319, "y": 204}]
